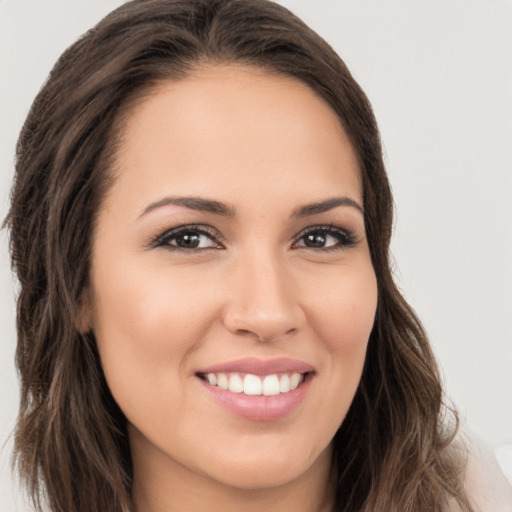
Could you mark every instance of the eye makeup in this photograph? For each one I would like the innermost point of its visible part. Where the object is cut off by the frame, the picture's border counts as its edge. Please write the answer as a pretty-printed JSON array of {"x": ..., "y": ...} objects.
[
  {"x": 192, "y": 238},
  {"x": 320, "y": 238},
  {"x": 189, "y": 238}
]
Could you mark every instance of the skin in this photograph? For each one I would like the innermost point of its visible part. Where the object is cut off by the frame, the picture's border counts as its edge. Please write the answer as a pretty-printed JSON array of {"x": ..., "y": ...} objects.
[{"x": 265, "y": 146}]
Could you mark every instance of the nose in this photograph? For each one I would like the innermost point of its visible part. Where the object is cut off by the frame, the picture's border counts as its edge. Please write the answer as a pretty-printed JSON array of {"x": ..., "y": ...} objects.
[{"x": 263, "y": 304}]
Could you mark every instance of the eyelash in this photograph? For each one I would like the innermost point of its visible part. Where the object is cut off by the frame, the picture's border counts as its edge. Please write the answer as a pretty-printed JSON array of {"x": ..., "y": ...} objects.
[
  {"x": 345, "y": 238},
  {"x": 168, "y": 236}
]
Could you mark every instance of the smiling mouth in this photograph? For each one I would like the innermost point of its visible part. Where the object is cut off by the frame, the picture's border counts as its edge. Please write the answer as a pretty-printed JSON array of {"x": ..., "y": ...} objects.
[{"x": 254, "y": 385}]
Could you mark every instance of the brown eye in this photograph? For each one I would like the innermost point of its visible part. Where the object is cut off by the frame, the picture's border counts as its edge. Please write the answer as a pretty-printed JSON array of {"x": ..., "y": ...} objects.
[
  {"x": 325, "y": 238},
  {"x": 315, "y": 240},
  {"x": 187, "y": 238}
]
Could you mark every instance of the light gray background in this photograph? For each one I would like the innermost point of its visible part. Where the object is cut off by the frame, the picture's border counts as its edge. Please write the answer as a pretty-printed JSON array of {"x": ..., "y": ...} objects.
[{"x": 439, "y": 75}]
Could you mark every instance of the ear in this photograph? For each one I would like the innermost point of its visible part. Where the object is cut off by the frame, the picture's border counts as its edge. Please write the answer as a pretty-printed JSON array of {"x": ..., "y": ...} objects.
[{"x": 84, "y": 313}]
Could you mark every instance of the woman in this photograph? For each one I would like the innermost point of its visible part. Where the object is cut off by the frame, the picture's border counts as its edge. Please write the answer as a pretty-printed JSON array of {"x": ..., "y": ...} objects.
[{"x": 207, "y": 317}]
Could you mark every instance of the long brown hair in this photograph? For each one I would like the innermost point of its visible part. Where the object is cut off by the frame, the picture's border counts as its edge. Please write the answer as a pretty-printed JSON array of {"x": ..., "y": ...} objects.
[{"x": 71, "y": 444}]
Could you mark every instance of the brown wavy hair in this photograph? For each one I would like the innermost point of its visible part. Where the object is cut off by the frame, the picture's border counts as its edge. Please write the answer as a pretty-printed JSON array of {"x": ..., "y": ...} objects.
[{"x": 71, "y": 448}]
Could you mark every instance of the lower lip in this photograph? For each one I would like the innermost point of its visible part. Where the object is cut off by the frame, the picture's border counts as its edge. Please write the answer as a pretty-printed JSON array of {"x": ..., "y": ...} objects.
[{"x": 260, "y": 407}]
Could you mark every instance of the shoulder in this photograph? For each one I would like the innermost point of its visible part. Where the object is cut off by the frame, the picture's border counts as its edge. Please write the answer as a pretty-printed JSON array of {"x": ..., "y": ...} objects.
[{"x": 485, "y": 483}]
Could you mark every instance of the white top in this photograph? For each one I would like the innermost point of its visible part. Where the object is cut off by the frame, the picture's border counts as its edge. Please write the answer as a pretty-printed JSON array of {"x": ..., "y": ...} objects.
[{"x": 486, "y": 485}]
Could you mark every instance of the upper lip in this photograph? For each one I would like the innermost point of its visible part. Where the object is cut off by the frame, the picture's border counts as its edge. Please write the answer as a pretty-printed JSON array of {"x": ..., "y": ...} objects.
[{"x": 260, "y": 367}]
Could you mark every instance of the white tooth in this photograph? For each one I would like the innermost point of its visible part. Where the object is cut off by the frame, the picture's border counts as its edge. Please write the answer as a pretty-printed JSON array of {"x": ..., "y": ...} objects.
[
  {"x": 252, "y": 385},
  {"x": 271, "y": 385},
  {"x": 212, "y": 378},
  {"x": 294, "y": 380},
  {"x": 222, "y": 381},
  {"x": 235, "y": 383},
  {"x": 284, "y": 383}
]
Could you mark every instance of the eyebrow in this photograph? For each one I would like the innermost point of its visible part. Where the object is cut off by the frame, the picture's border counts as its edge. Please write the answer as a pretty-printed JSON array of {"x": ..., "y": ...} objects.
[
  {"x": 325, "y": 206},
  {"x": 194, "y": 203},
  {"x": 218, "y": 208}
]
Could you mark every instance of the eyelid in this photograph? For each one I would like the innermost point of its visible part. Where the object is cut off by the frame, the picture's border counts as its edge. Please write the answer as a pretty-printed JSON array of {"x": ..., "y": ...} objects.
[
  {"x": 161, "y": 240},
  {"x": 348, "y": 234}
]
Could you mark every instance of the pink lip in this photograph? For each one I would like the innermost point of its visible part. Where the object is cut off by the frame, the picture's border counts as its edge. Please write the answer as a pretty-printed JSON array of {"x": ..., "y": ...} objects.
[
  {"x": 260, "y": 408},
  {"x": 260, "y": 367}
]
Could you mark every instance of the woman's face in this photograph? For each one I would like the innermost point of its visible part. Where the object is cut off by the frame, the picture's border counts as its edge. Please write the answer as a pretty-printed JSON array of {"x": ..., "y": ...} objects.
[{"x": 231, "y": 253}]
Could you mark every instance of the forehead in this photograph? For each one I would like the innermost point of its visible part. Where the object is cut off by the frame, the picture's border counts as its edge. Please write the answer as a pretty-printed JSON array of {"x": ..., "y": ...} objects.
[{"x": 233, "y": 130}]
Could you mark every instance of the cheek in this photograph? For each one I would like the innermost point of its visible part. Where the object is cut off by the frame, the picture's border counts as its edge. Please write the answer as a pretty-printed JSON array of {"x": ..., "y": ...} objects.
[
  {"x": 146, "y": 325},
  {"x": 343, "y": 319},
  {"x": 345, "y": 309},
  {"x": 148, "y": 308}
]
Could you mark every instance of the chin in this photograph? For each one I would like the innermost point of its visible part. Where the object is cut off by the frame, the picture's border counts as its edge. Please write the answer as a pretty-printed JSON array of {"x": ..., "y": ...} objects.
[
  {"x": 268, "y": 469},
  {"x": 255, "y": 478}
]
